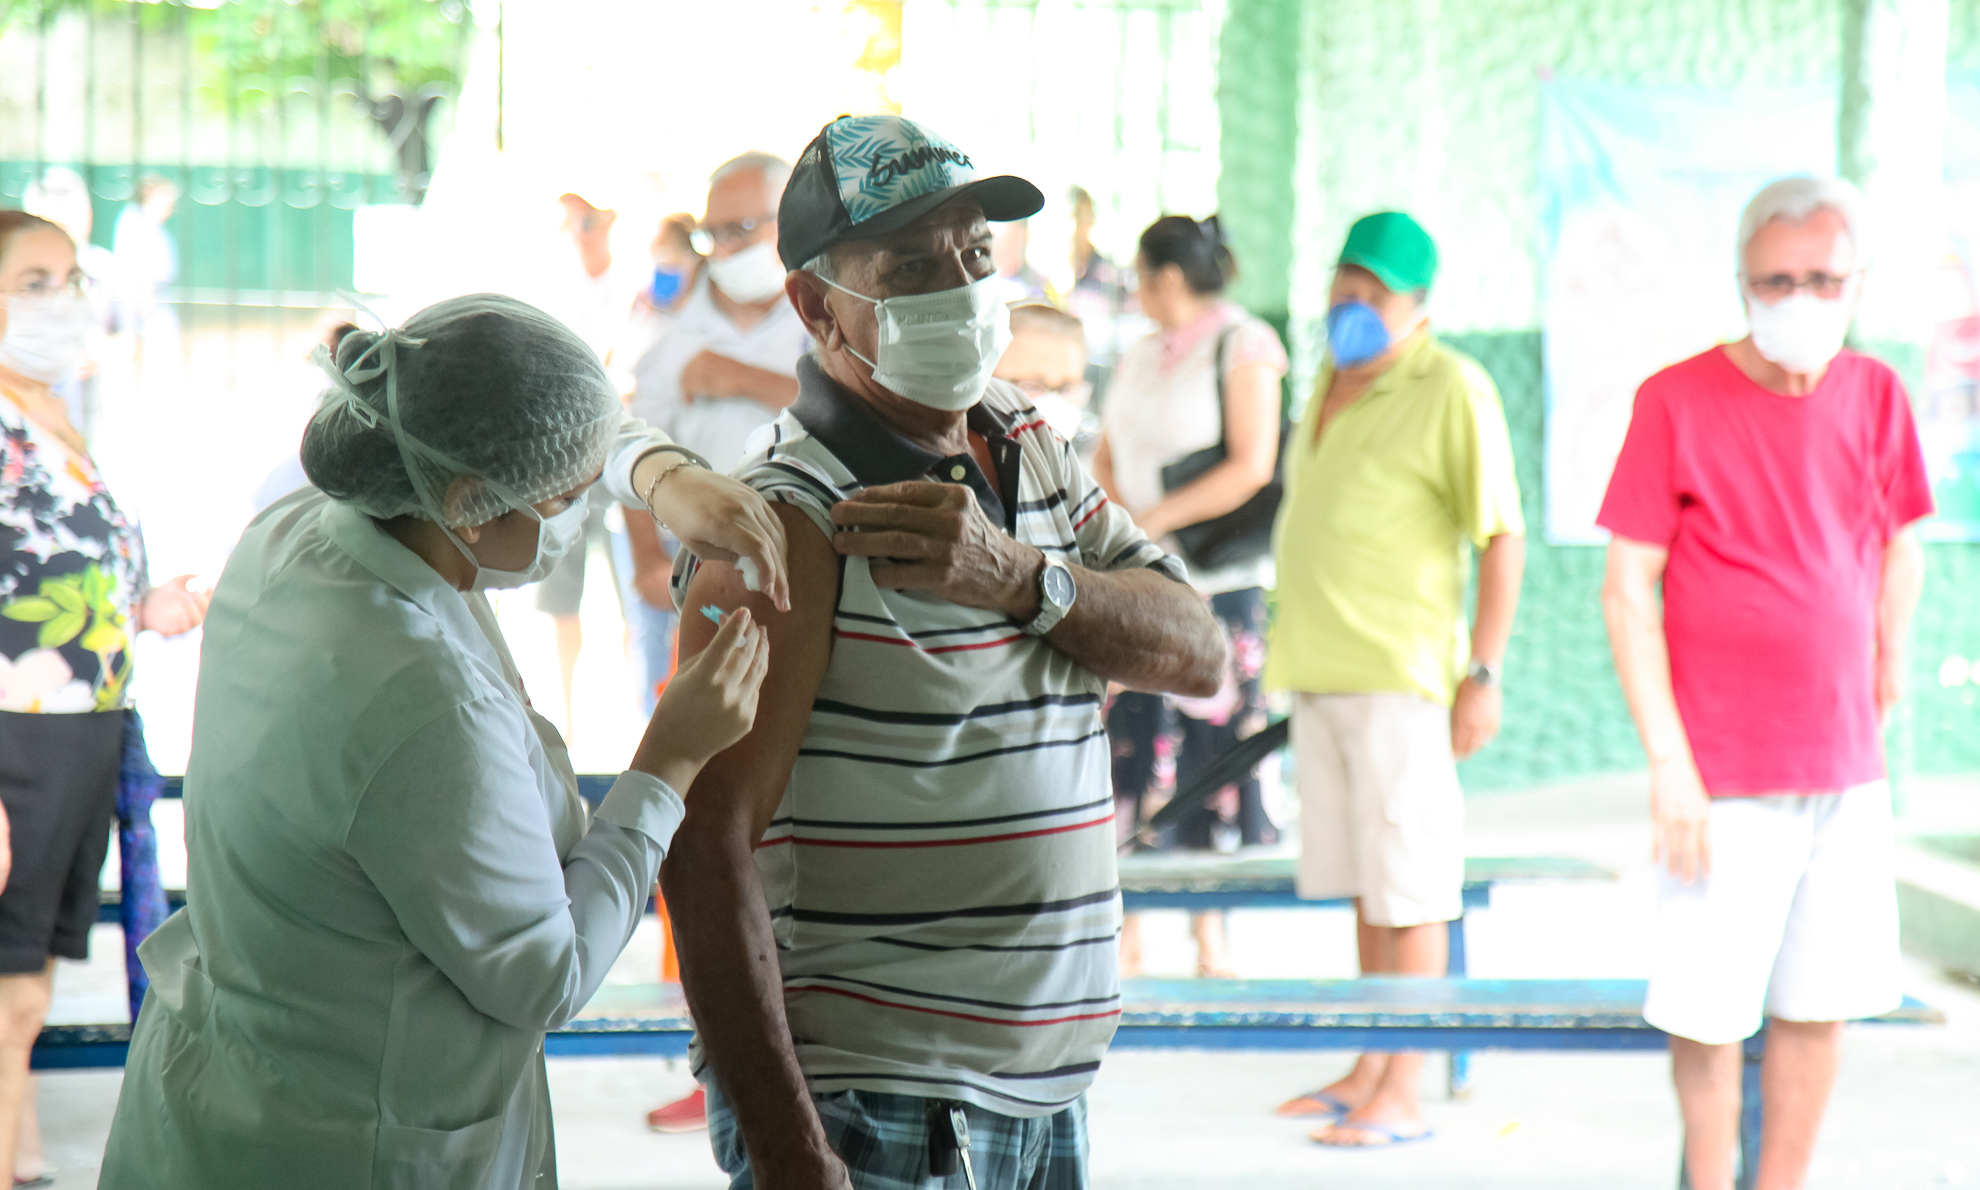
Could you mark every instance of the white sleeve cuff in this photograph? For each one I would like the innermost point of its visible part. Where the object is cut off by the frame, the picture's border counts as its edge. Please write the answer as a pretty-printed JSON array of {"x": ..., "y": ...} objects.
[
  {"x": 643, "y": 802},
  {"x": 634, "y": 440}
]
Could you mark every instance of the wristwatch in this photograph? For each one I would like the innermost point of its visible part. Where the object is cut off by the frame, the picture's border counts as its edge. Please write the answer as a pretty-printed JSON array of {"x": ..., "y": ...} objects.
[
  {"x": 1056, "y": 592},
  {"x": 1483, "y": 674}
]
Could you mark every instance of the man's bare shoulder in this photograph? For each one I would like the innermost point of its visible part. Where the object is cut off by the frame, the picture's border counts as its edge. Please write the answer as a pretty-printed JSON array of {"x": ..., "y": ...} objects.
[{"x": 812, "y": 563}]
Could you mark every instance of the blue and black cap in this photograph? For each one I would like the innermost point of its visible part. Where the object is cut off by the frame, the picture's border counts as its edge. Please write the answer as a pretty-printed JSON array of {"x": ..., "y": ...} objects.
[{"x": 865, "y": 176}]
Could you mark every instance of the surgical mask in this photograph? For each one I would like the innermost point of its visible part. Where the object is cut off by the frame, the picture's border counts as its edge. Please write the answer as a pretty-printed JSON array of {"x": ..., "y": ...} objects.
[
  {"x": 938, "y": 349},
  {"x": 555, "y": 535},
  {"x": 1801, "y": 332},
  {"x": 1356, "y": 334},
  {"x": 666, "y": 285},
  {"x": 46, "y": 337},
  {"x": 751, "y": 275}
]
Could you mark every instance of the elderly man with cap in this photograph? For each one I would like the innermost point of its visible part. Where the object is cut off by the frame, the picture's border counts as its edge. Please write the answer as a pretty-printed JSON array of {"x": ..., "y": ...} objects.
[
  {"x": 1401, "y": 461},
  {"x": 898, "y": 912}
]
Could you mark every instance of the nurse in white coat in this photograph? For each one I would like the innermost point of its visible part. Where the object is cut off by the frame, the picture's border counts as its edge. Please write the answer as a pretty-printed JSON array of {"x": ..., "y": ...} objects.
[{"x": 394, "y": 888}]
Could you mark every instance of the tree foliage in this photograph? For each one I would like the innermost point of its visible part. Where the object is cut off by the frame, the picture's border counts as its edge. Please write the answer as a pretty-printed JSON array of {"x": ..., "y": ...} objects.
[{"x": 399, "y": 45}]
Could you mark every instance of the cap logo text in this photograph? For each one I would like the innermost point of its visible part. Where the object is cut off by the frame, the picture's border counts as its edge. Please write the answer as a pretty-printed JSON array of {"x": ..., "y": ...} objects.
[{"x": 880, "y": 173}]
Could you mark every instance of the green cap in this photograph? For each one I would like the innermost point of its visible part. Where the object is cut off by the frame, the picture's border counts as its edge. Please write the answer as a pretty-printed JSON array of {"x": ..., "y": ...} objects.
[{"x": 1395, "y": 248}]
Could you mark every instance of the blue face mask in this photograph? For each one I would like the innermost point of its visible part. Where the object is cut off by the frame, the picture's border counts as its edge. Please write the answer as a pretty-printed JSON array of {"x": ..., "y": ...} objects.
[
  {"x": 666, "y": 285},
  {"x": 1356, "y": 334}
]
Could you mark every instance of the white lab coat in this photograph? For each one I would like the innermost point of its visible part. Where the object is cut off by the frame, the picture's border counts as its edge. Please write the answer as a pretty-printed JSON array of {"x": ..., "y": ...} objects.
[{"x": 394, "y": 890}]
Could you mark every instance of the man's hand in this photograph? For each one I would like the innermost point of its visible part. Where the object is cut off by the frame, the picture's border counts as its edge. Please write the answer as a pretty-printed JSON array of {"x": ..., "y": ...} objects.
[
  {"x": 1474, "y": 717},
  {"x": 1680, "y": 817},
  {"x": 712, "y": 375},
  {"x": 708, "y": 375},
  {"x": 934, "y": 537}
]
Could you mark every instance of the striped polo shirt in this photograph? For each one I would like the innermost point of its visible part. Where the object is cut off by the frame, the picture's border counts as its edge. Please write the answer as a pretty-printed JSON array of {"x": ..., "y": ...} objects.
[{"x": 940, "y": 872}]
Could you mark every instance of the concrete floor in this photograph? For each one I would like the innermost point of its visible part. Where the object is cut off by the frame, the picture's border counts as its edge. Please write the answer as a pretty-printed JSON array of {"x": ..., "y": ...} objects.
[{"x": 1903, "y": 1116}]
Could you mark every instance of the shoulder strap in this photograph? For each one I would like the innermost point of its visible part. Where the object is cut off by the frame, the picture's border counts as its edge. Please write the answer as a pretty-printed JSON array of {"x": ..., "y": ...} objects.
[{"x": 1223, "y": 349}]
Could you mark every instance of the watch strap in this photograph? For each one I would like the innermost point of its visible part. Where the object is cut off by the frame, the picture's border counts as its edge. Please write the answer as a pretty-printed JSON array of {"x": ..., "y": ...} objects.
[{"x": 1049, "y": 612}]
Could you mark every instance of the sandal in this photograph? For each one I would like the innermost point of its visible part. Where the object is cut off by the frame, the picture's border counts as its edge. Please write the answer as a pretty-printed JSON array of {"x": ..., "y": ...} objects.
[
  {"x": 1313, "y": 1103},
  {"x": 1391, "y": 1138}
]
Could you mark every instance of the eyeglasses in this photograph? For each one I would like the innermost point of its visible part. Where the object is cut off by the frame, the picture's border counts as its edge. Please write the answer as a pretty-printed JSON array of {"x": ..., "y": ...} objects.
[
  {"x": 704, "y": 239},
  {"x": 1780, "y": 286},
  {"x": 76, "y": 287}
]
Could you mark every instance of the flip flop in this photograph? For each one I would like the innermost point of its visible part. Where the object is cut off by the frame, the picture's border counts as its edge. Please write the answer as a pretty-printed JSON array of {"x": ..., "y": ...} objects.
[
  {"x": 1329, "y": 1106},
  {"x": 1394, "y": 1138}
]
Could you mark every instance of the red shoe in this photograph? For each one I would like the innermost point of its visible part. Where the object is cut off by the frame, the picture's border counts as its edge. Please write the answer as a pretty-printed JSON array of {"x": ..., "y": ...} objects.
[{"x": 686, "y": 1114}]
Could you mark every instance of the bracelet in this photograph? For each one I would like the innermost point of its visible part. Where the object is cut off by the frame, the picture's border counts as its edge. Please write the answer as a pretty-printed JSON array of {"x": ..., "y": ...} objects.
[{"x": 687, "y": 458}]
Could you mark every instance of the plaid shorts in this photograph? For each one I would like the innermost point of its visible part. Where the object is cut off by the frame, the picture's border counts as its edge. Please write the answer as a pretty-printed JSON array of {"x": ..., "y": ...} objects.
[{"x": 883, "y": 1139}]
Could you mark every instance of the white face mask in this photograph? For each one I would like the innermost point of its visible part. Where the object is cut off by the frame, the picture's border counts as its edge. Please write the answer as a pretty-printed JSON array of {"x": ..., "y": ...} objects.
[
  {"x": 46, "y": 337},
  {"x": 1801, "y": 332},
  {"x": 555, "y": 536},
  {"x": 938, "y": 349},
  {"x": 751, "y": 275}
]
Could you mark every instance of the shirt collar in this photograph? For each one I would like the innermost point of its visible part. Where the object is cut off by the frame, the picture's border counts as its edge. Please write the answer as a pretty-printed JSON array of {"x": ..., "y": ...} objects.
[
  {"x": 366, "y": 541},
  {"x": 1180, "y": 342},
  {"x": 1415, "y": 363},
  {"x": 877, "y": 454}
]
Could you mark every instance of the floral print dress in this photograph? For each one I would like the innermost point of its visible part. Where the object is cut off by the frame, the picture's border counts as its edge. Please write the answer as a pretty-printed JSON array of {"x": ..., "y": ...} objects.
[{"x": 71, "y": 573}]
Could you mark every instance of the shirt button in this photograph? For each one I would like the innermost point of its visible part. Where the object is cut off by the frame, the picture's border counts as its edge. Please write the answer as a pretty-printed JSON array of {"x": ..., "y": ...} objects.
[{"x": 957, "y": 472}]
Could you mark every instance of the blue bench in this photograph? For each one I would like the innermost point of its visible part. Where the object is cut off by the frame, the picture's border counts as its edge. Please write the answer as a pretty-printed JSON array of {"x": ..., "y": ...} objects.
[
  {"x": 1198, "y": 882},
  {"x": 1370, "y": 1014},
  {"x": 1455, "y": 1014},
  {"x": 1375, "y": 1014}
]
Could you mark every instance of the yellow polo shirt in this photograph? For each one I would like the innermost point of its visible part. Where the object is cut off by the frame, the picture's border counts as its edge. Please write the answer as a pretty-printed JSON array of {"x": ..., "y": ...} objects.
[{"x": 1371, "y": 534}]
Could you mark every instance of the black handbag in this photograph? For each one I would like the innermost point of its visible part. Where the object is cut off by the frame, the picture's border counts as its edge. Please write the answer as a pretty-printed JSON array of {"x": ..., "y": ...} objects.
[{"x": 1245, "y": 532}]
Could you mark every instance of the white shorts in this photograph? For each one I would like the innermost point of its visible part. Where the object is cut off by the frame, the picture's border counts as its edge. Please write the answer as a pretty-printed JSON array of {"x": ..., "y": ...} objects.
[
  {"x": 1797, "y": 921},
  {"x": 1381, "y": 815}
]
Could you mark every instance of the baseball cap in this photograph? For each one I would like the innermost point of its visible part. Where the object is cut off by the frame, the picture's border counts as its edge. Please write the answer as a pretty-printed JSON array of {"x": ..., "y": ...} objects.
[
  {"x": 1395, "y": 248},
  {"x": 864, "y": 176}
]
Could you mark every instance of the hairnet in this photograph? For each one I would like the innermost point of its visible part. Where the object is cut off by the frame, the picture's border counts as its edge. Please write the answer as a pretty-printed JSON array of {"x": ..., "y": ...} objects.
[{"x": 481, "y": 388}]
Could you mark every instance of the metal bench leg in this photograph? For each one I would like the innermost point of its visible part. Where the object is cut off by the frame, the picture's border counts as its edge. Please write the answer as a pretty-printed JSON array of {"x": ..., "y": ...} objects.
[
  {"x": 1460, "y": 1074},
  {"x": 1750, "y": 1108}
]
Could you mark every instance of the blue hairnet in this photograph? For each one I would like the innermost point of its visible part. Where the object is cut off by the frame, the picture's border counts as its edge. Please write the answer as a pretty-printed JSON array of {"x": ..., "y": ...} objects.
[{"x": 477, "y": 405}]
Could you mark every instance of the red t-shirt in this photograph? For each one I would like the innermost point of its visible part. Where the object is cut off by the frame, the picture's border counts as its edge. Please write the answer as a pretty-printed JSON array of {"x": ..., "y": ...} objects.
[{"x": 1775, "y": 511}]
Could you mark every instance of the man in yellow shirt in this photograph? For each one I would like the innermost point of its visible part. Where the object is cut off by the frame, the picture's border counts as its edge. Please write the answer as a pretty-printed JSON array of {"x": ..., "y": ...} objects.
[{"x": 1401, "y": 462}]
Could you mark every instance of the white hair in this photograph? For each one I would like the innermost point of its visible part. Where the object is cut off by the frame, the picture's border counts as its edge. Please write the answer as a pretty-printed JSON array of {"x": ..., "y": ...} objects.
[
  {"x": 775, "y": 170},
  {"x": 820, "y": 266},
  {"x": 1795, "y": 199}
]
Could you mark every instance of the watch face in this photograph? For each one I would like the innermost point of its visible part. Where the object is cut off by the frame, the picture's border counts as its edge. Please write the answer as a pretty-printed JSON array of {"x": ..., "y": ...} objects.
[{"x": 1059, "y": 585}]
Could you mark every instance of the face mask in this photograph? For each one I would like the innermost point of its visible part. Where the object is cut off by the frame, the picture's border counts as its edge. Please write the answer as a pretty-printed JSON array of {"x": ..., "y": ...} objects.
[
  {"x": 751, "y": 275},
  {"x": 1356, "y": 334},
  {"x": 666, "y": 285},
  {"x": 554, "y": 538},
  {"x": 46, "y": 337},
  {"x": 1801, "y": 332},
  {"x": 938, "y": 349}
]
